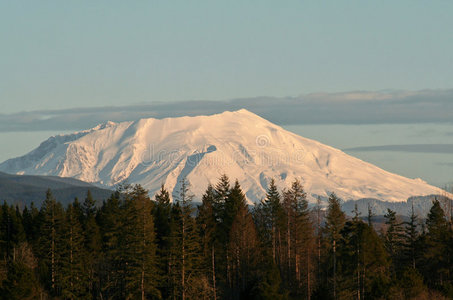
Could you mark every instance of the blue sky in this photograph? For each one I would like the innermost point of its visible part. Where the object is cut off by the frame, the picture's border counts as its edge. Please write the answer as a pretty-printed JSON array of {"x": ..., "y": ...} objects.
[{"x": 58, "y": 55}]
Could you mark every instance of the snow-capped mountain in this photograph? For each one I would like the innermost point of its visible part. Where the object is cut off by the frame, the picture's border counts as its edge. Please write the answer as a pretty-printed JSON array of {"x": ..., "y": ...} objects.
[{"x": 240, "y": 144}]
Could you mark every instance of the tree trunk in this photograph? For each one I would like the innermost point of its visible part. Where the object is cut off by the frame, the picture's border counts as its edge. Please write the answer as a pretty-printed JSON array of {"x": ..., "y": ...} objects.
[
  {"x": 297, "y": 270},
  {"x": 358, "y": 271},
  {"x": 273, "y": 241},
  {"x": 319, "y": 236},
  {"x": 308, "y": 275},
  {"x": 334, "y": 271},
  {"x": 52, "y": 268},
  {"x": 280, "y": 252},
  {"x": 288, "y": 246},
  {"x": 363, "y": 282},
  {"x": 70, "y": 255},
  {"x": 183, "y": 261},
  {"x": 142, "y": 285},
  {"x": 213, "y": 271}
]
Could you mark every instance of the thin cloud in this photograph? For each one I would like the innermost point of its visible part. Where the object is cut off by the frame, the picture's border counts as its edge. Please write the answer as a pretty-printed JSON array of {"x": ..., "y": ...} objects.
[
  {"x": 419, "y": 148},
  {"x": 360, "y": 107}
]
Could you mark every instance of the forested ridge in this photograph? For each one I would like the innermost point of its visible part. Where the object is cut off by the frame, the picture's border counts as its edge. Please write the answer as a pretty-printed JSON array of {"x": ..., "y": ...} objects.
[{"x": 133, "y": 247}]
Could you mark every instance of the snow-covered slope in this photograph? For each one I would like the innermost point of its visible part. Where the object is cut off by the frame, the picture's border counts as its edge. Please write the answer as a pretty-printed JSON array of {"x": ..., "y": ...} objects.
[{"x": 240, "y": 144}]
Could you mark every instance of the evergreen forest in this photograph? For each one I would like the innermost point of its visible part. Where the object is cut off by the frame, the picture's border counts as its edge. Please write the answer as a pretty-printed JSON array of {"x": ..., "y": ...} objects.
[{"x": 133, "y": 246}]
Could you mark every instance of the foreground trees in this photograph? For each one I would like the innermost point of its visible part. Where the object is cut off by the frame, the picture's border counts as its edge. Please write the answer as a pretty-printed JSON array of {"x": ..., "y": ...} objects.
[{"x": 134, "y": 247}]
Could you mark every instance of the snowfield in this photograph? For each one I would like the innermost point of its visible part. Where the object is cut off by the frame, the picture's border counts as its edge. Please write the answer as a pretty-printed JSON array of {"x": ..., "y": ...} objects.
[{"x": 240, "y": 144}]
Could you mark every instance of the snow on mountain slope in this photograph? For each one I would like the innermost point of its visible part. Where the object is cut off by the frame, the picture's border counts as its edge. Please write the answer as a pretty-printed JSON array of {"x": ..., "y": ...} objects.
[{"x": 240, "y": 144}]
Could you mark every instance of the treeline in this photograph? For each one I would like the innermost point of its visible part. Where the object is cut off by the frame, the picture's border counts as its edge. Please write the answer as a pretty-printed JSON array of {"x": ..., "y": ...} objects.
[{"x": 134, "y": 247}]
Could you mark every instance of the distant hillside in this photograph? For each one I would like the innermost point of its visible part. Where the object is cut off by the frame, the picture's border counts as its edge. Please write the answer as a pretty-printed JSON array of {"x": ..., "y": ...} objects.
[
  {"x": 421, "y": 205},
  {"x": 24, "y": 189}
]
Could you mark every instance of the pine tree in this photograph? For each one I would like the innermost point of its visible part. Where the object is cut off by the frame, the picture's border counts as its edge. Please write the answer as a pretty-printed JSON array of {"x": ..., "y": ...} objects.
[
  {"x": 50, "y": 245},
  {"x": 130, "y": 264},
  {"x": 161, "y": 214},
  {"x": 273, "y": 215},
  {"x": 78, "y": 210},
  {"x": 31, "y": 223},
  {"x": 436, "y": 254},
  {"x": 92, "y": 238},
  {"x": 222, "y": 191},
  {"x": 73, "y": 275},
  {"x": 12, "y": 233},
  {"x": 17, "y": 264},
  {"x": 143, "y": 258},
  {"x": 411, "y": 284},
  {"x": 20, "y": 283},
  {"x": 242, "y": 245},
  {"x": 319, "y": 240},
  {"x": 223, "y": 219},
  {"x": 174, "y": 253},
  {"x": 162, "y": 220},
  {"x": 394, "y": 238},
  {"x": 335, "y": 221},
  {"x": 111, "y": 223},
  {"x": 362, "y": 262},
  {"x": 370, "y": 215},
  {"x": 410, "y": 241},
  {"x": 206, "y": 222},
  {"x": 299, "y": 241},
  {"x": 188, "y": 242},
  {"x": 270, "y": 286}
]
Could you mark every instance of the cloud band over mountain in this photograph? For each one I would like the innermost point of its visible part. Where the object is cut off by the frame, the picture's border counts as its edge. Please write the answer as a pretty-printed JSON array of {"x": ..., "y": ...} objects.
[
  {"x": 383, "y": 107},
  {"x": 419, "y": 148}
]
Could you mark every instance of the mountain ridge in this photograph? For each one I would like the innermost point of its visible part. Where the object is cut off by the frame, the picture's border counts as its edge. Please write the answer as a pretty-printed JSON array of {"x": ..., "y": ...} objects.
[{"x": 239, "y": 143}]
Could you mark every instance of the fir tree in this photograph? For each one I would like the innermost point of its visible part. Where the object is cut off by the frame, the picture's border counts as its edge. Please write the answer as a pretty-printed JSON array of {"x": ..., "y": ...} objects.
[
  {"x": 222, "y": 191},
  {"x": 50, "y": 243},
  {"x": 73, "y": 276},
  {"x": 206, "y": 222},
  {"x": 273, "y": 221},
  {"x": 393, "y": 238},
  {"x": 92, "y": 237},
  {"x": 410, "y": 241},
  {"x": 223, "y": 220},
  {"x": 110, "y": 266},
  {"x": 362, "y": 262},
  {"x": 370, "y": 215},
  {"x": 411, "y": 284},
  {"x": 12, "y": 232},
  {"x": 335, "y": 221},
  {"x": 20, "y": 283},
  {"x": 269, "y": 286},
  {"x": 242, "y": 245},
  {"x": 299, "y": 241},
  {"x": 162, "y": 220},
  {"x": 188, "y": 242},
  {"x": 143, "y": 258},
  {"x": 436, "y": 254},
  {"x": 31, "y": 223}
]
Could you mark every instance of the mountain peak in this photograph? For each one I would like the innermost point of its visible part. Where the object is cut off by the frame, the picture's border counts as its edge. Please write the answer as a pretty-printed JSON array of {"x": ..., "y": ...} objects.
[
  {"x": 238, "y": 143},
  {"x": 244, "y": 112},
  {"x": 104, "y": 125}
]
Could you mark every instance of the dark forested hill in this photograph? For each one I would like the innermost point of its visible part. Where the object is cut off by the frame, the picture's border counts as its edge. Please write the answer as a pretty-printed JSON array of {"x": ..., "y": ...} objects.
[{"x": 24, "y": 189}]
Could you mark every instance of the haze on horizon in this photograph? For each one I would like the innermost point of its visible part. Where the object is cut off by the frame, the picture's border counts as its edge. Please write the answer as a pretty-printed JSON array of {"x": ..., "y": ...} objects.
[{"x": 65, "y": 66}]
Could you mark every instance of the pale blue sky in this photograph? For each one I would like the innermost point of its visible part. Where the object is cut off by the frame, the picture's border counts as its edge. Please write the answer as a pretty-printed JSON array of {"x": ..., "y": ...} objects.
[{"x": 57, "y": 55}]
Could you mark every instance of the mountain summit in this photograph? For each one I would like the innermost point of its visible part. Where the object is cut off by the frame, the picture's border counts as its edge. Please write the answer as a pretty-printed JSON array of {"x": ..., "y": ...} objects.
[{"x": 240, "y": 144}]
